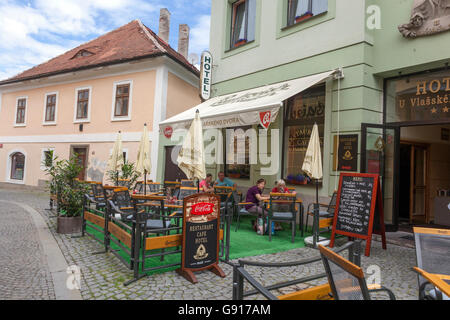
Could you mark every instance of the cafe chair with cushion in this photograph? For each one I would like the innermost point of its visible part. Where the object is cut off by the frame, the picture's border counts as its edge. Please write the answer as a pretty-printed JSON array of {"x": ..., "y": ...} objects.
[
  {"x": 326, "y": 211},
  {"x": 346, "y": 279},
  {"x": 98, "y": 195},
  {"x": 282, "y": 208},
  {"x": 432, "y": 254}
]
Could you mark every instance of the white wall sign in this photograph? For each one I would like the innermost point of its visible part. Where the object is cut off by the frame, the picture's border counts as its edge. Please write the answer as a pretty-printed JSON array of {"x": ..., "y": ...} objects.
[{"x": 205, "y": 75}]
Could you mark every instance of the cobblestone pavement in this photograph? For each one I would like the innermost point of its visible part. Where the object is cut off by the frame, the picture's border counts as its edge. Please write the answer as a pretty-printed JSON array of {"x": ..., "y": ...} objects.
[
  {"x": 103, "y": 275},
  {"x": 24, "y": 273}
]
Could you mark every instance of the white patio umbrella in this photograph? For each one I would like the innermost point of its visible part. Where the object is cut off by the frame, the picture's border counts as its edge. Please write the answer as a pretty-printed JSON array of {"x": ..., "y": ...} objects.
[
  {"x": 115, "y": 161},
  {"x": 143, "y": 164},
  {"x": 191, "y": 159},
  {"x": 312, "y": 166}
]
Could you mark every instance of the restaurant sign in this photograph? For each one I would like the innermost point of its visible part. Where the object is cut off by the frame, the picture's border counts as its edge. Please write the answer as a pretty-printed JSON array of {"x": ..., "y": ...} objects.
[
  {"x": 427, "y": 100},
  {"x": 201, "y": 232},
  {"x": 205, "y": 75},
  {"x": 346, "y": 152}
]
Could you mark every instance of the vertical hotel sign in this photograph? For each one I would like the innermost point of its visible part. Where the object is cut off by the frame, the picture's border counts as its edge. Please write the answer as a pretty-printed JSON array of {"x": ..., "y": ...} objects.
[{"x": 205, "y": 75}]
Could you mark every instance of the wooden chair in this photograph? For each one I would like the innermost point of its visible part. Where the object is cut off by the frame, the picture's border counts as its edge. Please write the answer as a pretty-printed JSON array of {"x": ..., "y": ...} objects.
[
  {"x": 282, "y": 208},
  {"x": 174, "y": 186},
  {"x": 432, "y": 253},
  {"x": 346, "y": 279},
  {"x": 326, "y": 211}
]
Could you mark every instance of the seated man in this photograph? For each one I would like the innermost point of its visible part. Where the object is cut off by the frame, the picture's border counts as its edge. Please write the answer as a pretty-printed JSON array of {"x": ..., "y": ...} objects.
[
  {"x": 205, "y": 184},
  {"x": 223, "y": 181}
]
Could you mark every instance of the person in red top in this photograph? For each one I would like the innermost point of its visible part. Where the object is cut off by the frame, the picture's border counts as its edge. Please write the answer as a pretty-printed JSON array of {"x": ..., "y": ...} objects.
[
  {"x": 281, "y": 187},
  {"x": 205, "y": 185}
]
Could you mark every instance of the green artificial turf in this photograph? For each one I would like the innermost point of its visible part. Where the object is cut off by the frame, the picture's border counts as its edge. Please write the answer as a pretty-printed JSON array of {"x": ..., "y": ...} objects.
[{"x": 243, "y": 243}]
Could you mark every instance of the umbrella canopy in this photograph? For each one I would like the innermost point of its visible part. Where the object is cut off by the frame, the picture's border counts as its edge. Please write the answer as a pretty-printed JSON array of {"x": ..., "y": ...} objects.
[
  {"x": 191, "y": 159},
  {"x": 312, "y": 165},
  {"x": 115, "y": 161},
  {"x": 143, "y": 164}
]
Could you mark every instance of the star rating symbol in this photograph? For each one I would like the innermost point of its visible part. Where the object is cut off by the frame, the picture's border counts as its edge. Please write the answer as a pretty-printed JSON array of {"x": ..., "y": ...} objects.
[
  {"x": 445, "y": 109},
  {"x": 434, "y": 110}
]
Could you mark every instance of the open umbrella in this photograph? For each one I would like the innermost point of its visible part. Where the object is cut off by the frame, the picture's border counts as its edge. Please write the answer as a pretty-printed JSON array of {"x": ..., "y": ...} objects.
[
  {"x": 143, "y": 164},
  {"x": 115, "y": 161},
  {"x": 312, "y": 166},
  {"x": 191, "y": 159}
]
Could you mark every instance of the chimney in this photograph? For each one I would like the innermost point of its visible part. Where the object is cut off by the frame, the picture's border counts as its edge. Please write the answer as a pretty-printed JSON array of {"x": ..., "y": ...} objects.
[
  {"x": 183, "y": 40},
  {"x": 164, "y": 24}
]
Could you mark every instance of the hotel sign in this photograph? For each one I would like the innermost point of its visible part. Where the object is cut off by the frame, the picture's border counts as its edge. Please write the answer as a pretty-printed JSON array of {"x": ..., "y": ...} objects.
[
  {"x": 427, "y": 100},
  {"x": 206, "y": 75}
]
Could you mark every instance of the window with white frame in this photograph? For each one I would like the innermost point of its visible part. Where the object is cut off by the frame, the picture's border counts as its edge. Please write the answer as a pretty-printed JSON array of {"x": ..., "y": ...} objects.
[
  {"x": 51, "y": 100},
  {"x": 82, "y": 104},
  {"x": 122, "y": 101},
  {"x": 17, "y": 166},
  {"x": 21, "y": 111},
  {"x": 243, "y": 18},
  {"x": 301, "y": 10}
]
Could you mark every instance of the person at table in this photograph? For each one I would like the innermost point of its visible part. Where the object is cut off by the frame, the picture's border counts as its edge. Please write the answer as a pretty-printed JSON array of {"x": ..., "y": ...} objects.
[
  {"x": 205, "y": 184},
  {"x": 254, "y": 197},
  {"x": 281, "y": 188},
  {"x": 223, "y": 181}
]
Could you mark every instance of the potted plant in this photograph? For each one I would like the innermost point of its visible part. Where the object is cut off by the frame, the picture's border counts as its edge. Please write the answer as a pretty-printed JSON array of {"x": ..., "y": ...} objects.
[
  {"x": 127, "y": 172},
  {"x": 70, "y": 194}
]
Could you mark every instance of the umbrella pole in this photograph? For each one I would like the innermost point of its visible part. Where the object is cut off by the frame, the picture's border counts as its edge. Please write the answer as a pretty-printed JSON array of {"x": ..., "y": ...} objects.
[
  {"x": 198, "y": 185},
  {"x": 316, "y": 216},
  {"x": 145, "y": 182}
]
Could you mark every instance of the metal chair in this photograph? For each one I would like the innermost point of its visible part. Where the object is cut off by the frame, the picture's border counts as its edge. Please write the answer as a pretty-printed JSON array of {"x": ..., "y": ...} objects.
[
  {"x": 324, "y": 214},
  {"x": 121, "y": 204},
  {"x": 240, "y": 209},
  {"x": 282, "y": 208},
  {"x": 432, "y": 254},
  {"x": 346, "y": 279},
  {"x": 187, "y": 183},
  {"x": 98, "y": 195}
]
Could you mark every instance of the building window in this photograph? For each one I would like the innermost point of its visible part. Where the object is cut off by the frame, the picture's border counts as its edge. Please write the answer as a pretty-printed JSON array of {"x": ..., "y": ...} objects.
[
  {"x": 48, "y": 158},
  {"x": 82, "y": 104},
  {"x": 243, "y": 22},
  {"x": 50, "y": 107},
  {"x": 17, "y": 166},
  {"x": 301, "y": 112},
  {"x": 122, "y": 100},
  {"x": 237, "y": 154},
  {"x": 301, "y": 10},
  {"x": 21, "y": 109}
]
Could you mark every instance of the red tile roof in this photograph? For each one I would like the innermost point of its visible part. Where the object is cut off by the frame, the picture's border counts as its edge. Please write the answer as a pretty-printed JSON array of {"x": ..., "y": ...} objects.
[{"x": 130, "y": 42}]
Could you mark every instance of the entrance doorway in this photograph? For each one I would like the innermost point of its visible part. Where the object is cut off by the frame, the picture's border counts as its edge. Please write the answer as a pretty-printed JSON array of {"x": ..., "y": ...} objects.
[
  {"x": 414, "y": 183},
  {"x": 82, "y": 155},
  {"x": 171, "y": 171}
]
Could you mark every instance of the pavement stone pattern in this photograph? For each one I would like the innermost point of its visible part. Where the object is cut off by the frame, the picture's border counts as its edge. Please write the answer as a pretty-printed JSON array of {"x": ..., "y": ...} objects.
[
  {"x": 102, "y": 275},
  {"x": 24, "y": 274}
]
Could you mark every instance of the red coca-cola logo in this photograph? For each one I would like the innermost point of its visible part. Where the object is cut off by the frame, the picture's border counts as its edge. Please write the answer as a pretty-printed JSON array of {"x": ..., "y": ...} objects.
[
  {"x": 202, "y": 209},
  {"x": 168, "y": 132},
  {"x": 264, "y": 118}
]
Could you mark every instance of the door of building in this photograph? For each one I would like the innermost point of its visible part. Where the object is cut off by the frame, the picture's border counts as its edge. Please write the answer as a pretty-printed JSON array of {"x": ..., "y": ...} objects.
[
  {"x": 81, "y": 153},
  {"x": 380, "y": 146},
  {"x": 172, "y": 172}
]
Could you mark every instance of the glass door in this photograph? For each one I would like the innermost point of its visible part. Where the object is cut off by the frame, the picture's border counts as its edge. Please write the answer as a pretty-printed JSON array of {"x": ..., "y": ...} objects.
[{"x": 379, "y": 154}]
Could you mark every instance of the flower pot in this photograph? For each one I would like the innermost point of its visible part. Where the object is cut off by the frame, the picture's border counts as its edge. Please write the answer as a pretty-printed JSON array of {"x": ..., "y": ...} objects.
[{"x": 68, "y": 225}]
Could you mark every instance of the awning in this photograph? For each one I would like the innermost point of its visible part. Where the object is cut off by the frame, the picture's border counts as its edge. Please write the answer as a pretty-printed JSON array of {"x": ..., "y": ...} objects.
[{"x": 255, "y": 106}]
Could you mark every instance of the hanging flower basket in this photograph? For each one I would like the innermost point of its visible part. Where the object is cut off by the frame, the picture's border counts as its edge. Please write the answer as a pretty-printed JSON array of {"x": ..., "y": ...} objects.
[{"x": 303, "y": 17}]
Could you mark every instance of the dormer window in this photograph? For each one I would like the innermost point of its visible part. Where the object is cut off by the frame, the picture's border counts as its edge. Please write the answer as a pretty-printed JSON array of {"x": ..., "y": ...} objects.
[{"x": 82, "y": 53}]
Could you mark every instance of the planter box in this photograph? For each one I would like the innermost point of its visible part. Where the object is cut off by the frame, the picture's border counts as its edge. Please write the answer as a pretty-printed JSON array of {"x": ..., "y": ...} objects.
[
  {"x": 68, "y": 225},
  {"x": 234, "y": 175}
]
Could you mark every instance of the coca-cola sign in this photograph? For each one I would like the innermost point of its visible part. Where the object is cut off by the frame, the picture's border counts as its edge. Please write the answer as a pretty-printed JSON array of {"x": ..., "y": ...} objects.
[
  {"x": 265, "y": 118},
  {"x": 202, "y": 209},
  {"x": 168, "y": 132}
]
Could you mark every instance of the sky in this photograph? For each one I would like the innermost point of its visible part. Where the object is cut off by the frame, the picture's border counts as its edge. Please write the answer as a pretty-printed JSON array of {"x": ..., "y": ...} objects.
[{"x": 32, "y": 32}]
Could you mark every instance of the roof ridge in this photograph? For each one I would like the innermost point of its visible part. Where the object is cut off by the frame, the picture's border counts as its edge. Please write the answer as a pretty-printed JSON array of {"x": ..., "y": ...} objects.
[{"x": 150, "y": 37}]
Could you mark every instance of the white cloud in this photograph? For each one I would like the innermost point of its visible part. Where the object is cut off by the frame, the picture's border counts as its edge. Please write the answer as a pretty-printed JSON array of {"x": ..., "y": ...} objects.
[{"x": 199, "y": 35}]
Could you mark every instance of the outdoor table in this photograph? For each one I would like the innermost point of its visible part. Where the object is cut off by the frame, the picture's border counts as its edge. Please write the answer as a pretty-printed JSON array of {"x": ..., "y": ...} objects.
[
  {"x": 440, "y": 281},
  {"x": 299, "y": 203}
]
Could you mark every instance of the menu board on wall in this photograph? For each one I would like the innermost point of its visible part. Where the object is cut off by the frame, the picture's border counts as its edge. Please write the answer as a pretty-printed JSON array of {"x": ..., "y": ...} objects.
[
  {"x": 200, "y": 249},
  {"x": 359, "y": 201},
  {"x": 346, "y": 152}
]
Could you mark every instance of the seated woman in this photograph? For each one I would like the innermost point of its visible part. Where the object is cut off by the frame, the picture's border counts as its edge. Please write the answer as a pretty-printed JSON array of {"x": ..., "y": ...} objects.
[
  {"x": 281, "y": 187},
  {"x": 254, "y": 195},
  {"x": 205, "y": 184}
]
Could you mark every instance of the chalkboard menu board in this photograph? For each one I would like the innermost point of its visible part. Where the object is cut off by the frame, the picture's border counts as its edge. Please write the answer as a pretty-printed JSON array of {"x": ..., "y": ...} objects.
[
  {"x": 355, "y": 204},
  {"x": 359, "y": 198},
  {"x": 200, "y": 250}
]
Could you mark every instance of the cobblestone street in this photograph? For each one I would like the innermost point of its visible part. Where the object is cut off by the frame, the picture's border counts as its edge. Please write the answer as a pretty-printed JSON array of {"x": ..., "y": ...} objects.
[{"x": 24, "y": 274}]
